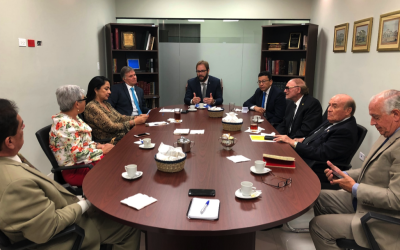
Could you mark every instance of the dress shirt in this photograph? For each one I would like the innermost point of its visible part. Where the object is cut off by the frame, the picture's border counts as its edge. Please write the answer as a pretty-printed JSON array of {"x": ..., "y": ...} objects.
[
  {"x": 295, "y": 111},
  {"x": 201, "y": 86},
  {"x": 266, "y": 99},
  {"x": 135, "y": 110}
]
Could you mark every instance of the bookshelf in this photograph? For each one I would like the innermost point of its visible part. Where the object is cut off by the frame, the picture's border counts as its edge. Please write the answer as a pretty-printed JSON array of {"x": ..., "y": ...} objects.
[
  {"x": 121, "y": 55},
  {"x": 281, "y": 34}
]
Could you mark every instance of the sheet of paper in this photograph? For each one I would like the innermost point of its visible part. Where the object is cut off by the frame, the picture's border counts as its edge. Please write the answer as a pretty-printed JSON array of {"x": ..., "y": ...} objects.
[
  {"x": 167, "y": 110},
  {"x": 183, "y": 131},
  {"x": 198, "y": 132},
  {"x": 138, "y": 201},
  {"x": 259, "y": 138},
  {"x": 210, "y": 213},
  {"x": 237, "y": 158}
]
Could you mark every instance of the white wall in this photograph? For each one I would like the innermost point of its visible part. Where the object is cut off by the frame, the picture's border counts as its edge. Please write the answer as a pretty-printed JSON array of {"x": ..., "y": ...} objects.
[
  {"x": 73, "y": 43},
  {"x": 360, "y": 75},
  {"x": 233, "y": 9}
]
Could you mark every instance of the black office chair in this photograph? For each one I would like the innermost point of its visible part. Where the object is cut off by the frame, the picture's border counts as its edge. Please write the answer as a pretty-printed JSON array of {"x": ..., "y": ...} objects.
[
  {"x": 5, "y": 243},
  {"x": 42, "y": 136},
  {"x": 351, "y": 244}
]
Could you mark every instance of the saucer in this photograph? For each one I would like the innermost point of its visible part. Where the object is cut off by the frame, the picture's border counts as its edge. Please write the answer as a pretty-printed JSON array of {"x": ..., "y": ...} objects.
[
  {"x": 152, "y": 146},
  {"x": 253, "y": 169},
  {"x": 238, "y": 194},
  {"x": 202, "y": 107},
  {"x": 192, "y": 110},
  {"x": 138, "y": 174},
  {"x": 260, "y": 120}
]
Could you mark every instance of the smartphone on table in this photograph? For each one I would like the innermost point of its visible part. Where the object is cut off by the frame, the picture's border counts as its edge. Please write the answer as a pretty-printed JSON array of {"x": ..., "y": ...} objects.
[
  {"x": 201, "y": 192},
  {"x": 143, "y": 134}
]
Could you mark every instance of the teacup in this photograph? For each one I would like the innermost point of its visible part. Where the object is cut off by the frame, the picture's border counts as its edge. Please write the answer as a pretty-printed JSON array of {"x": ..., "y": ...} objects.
[
  {"x": 259, "y": 165},
  {"x": 147, "y": 142},
  {"x": 192, "y": 107},
  {"x": 131, "y": 170},
  {"x": 247, "y": 188},
  {"x": 201, "y": 105}
]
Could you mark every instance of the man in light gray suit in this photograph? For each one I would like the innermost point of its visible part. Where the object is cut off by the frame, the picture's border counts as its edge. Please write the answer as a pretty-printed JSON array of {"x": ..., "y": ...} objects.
[{"x": 374, "y": 187}]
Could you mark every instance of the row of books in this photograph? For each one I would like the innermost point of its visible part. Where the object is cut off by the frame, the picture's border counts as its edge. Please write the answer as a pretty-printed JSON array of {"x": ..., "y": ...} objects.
[
  {"x": 148, "y": 87},
  {"x": 282, "y": 67},
  {"x": 151, "y": 103}
]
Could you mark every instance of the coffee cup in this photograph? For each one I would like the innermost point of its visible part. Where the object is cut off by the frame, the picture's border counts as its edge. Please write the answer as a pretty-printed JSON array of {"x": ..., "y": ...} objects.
[
  {"x": 131, "y": 170},
  {"x": 259, "y": 165},
  {"x": 201, "y": 105},
  {"x": 192, "y": 107},
  {"x": 147, "y": 142},
  {"x": 247, "y": 188}
]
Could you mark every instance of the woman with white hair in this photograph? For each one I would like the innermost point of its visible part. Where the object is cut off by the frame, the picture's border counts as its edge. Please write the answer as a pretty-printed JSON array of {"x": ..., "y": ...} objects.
[{"x": 71, "y": 138}]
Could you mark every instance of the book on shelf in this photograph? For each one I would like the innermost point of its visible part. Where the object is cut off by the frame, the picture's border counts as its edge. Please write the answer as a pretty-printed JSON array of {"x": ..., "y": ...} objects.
[
  {"x": 302, "y": 70},
  {"x": 282, "y": 67},
  {"x": 273, "y": 67},
  {"x": 152, "y": 88},
  {"x": 112, "y": 40},
  {"x": 146, "y": 37},
  {"x": 292, "y": 68},
  {"x": 305, "y": 40},
  {"x": 114, "y": 65},
  {"x": 152, "y": 43},
  {"x": 151, "y": 65},
  {"x": 148, "y": 42},
  {"x": 276, "y": 46},
  {"x": 116, "y": 38}
]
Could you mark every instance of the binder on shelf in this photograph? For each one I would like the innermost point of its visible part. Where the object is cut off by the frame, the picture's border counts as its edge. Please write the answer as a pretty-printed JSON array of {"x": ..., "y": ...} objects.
[{"x": 211, "y": 212}]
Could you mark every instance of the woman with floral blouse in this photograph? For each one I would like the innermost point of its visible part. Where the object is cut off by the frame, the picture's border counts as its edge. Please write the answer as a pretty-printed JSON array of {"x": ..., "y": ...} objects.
[{"x": 71, "y": 138}]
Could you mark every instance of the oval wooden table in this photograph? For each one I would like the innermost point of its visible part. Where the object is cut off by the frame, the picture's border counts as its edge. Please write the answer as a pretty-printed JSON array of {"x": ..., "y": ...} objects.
[{"x": 207, "y": 168}]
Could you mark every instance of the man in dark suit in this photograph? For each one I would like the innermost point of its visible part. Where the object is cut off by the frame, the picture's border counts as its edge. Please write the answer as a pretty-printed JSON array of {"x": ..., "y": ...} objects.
[
  {"x": 203, "y": 88},
  {"x": 127, "y": 98},
  {"x": 333, "y": 140},
  {"x": 267, "y": 99},
  {"x": 303, "y": 112}
]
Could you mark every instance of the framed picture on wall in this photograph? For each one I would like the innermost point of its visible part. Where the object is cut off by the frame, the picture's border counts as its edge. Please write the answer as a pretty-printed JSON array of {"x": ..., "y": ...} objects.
[
  {"x": 362, "y": 35},
  {"x": 340, "y": 37},
  {"x": 388, "y": 37}
]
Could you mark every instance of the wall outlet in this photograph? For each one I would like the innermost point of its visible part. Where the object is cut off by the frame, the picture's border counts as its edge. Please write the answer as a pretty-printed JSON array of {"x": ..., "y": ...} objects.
[
  {"x": 362, "y": 156},
  {"x": 98, "y": 65},
  {"x": 22, "y": 42}
]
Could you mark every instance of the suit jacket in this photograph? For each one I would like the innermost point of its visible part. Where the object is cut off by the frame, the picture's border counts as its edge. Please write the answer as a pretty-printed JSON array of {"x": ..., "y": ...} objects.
[
  {"x": 335, "y": 145},
  {"x": 213, "y": 86},
  {"x": 308, "y": 117},
  {"x": 276, "y": 104},
  {"x": 36, "y": 208},
  {"x": 121, "y": 100},
  {"x": 379, "y": 191}
]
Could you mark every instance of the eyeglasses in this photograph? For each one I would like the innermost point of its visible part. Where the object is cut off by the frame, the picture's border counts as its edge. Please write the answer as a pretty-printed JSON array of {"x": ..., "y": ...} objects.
[
  {"x": 262, "y": 82},
  {"x": 201, "y": 71},
  {"x": 287, "y": 88},
  {"x": 277, "y": 184},
  {"x": 83, "y": 99}
]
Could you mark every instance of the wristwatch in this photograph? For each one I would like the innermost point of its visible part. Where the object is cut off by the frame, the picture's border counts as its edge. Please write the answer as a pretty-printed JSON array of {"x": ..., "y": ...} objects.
[{"x": 295, "y": 144}]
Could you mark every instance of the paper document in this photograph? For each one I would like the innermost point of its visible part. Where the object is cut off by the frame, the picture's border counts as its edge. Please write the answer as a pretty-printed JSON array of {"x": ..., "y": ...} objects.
[
  {"x": 259, "y": 138},
  {"x": 138, "y": 201},
  {"x": 167, "y": 110},
  {"x": 183, "y": 131},
  {"x": 237, "y": 158},
  {"x": 211, "y": 212},
  {"x": 199, "y": 132}
]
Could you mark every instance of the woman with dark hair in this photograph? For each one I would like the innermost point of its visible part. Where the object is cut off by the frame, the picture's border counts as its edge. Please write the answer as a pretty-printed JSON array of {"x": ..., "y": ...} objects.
[
  {"x": 105, "y": 121},
  {"x": 70, "y": 137}
]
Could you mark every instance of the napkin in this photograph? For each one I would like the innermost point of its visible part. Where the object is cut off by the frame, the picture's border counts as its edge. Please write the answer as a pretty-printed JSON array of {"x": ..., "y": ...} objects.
[
  {"x": 231, "y": 117},
  {"x": 167, "y": 110},
  {"x": 264, "y": 134},
  {"x": 215, "y": 108},
  {"x": 138, "y": 201},
  {"x": 238, "y": 158},
  {"x": 199, "y": 132},
  {"x": 181, "y": 131},
  {"x": 259, "y": 130},
  {"x": 169, "y": 153}
]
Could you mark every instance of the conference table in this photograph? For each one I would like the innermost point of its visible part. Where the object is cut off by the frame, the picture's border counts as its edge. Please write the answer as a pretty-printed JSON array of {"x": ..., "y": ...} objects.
[{"x": 165, "y": 221}]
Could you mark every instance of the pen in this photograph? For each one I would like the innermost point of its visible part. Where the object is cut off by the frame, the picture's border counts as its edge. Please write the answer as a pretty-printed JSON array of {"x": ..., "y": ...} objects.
[
  {"x": 205, "y": 206},
  {"x": 141, "y": 141},
  {"x": 148, "y": 112}
]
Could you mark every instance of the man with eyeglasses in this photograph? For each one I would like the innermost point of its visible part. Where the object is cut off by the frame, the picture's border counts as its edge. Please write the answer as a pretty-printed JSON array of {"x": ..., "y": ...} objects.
[
  {"x": 267, "y": 99},
  {"x": 203, "y": 88},
  {"x": 303, "y": 112}
]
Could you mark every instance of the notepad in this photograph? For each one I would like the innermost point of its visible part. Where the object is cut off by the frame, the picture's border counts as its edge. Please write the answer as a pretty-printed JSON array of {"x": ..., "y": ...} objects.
[
  {"x": 210, "y": 213},
  {"x": 138, "y": 201}
]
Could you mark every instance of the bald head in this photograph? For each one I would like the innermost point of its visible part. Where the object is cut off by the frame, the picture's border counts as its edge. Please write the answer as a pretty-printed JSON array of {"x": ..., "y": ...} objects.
[
  {"x": 340, "y": 107},
  {"x": 295, "y": 89}
]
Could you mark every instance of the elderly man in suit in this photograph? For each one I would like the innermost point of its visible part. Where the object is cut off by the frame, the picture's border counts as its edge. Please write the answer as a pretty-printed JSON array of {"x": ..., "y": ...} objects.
[
  {"x": 127, "y": 98},
  {"x": 373, "y": 187},
  {"x": 303, "y": 112},
  {"x": 267, "y": 99},
  {"x": 332, "y": 140},
  {"x": 36, "y": 208},
  {"x": 203, "y": 88}
]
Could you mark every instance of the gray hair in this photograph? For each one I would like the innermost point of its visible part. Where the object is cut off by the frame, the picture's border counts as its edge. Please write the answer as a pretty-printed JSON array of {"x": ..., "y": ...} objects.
[
  {"x": 67, "y": 95},
  {"x": 125, "y": 70},
  {"x": 391, "y": 100}
]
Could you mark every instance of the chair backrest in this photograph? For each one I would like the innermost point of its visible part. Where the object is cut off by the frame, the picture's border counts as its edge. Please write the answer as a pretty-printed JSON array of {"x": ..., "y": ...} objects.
[
  {"x": 4, "y": 241},
  {"x": 361, "y": 132},
  {"x": 43, "y": 137}
]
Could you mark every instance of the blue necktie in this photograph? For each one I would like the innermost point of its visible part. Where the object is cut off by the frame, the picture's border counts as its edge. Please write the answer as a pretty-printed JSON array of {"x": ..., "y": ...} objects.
[
  {"x": 135, "y": 101},
  {"x": 355, "y": 198},
  {"x": 263, "y": 101}
]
